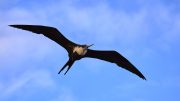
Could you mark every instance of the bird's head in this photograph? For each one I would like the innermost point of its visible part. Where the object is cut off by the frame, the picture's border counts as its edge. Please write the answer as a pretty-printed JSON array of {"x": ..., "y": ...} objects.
[{"x": 87, "y": 46}]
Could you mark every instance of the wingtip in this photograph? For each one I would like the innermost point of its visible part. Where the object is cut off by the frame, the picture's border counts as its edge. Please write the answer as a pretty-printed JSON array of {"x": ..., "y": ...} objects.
[
  {"x": 18, "y": 26},
  {"x": 12, "y": 25},
  {"x": 144, "y": 78}
]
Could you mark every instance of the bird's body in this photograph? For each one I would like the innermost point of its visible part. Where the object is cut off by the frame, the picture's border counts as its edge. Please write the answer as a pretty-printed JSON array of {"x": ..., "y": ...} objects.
[{"x": 77, "y": 51}]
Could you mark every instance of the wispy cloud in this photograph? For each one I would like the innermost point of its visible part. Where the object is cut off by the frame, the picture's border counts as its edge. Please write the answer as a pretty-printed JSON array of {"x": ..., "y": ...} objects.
[
  {"x": 27, "y": 80},
  {"x": 65, "y": 95}
]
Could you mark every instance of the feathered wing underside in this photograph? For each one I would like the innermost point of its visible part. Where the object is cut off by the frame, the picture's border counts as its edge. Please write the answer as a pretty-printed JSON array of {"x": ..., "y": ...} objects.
[
  {"x": 49, "y": 32},
  {"x": 114, "y": 57}
]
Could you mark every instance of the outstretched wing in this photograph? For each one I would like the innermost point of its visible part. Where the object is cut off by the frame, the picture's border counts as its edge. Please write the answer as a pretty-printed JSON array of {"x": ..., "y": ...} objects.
[
  {"x": 49, "y": 32},
  {"x": 114, "y": 57}
]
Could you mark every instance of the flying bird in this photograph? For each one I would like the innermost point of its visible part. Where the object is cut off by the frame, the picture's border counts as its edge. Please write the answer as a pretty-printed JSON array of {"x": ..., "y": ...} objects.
[{"x": 78, "y": 51}]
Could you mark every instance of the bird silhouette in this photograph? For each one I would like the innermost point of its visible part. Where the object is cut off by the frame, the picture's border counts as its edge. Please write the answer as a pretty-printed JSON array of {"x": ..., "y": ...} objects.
[{"x": 77, "y": 51}]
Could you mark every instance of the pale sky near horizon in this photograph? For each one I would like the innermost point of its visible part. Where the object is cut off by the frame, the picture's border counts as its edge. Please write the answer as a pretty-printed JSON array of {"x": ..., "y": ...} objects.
[{"x": 146, "y": 32}]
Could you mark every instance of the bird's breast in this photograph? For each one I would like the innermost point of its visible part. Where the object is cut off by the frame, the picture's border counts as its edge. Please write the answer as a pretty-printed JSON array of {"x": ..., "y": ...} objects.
[{"x": 80, "y": 50}]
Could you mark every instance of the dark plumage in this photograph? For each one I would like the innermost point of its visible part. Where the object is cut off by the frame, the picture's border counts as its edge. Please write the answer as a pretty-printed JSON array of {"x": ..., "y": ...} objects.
[{"x": 77, "y": 51}]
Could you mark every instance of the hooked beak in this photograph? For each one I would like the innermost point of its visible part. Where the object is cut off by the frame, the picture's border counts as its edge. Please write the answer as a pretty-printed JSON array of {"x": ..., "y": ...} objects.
[{"x": 90, "y": 45}]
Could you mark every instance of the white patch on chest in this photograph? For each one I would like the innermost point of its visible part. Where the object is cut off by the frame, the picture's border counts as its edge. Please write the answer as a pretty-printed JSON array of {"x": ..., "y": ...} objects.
[{"x": 80, "y": 50}]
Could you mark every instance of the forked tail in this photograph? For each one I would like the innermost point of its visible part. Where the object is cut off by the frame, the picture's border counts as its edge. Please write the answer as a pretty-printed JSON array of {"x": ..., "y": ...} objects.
[{"x": 69, "y": 63}]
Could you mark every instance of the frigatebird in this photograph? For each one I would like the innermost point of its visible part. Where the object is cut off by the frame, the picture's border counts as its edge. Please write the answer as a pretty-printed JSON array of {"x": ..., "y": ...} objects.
[{"x": 77, "y": 51}]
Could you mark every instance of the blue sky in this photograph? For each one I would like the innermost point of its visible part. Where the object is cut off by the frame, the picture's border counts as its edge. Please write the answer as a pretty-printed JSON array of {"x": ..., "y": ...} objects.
[{"x": 145, "y": 32}]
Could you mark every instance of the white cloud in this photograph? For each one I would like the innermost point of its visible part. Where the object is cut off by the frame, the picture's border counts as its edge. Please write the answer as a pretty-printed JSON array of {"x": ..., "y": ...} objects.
[
  {"x": 28, "y": 80},
  {"x": 15, "y": 49},
  {"x": 66, "y": 94},
  {"x": 102, "y": 22}
]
